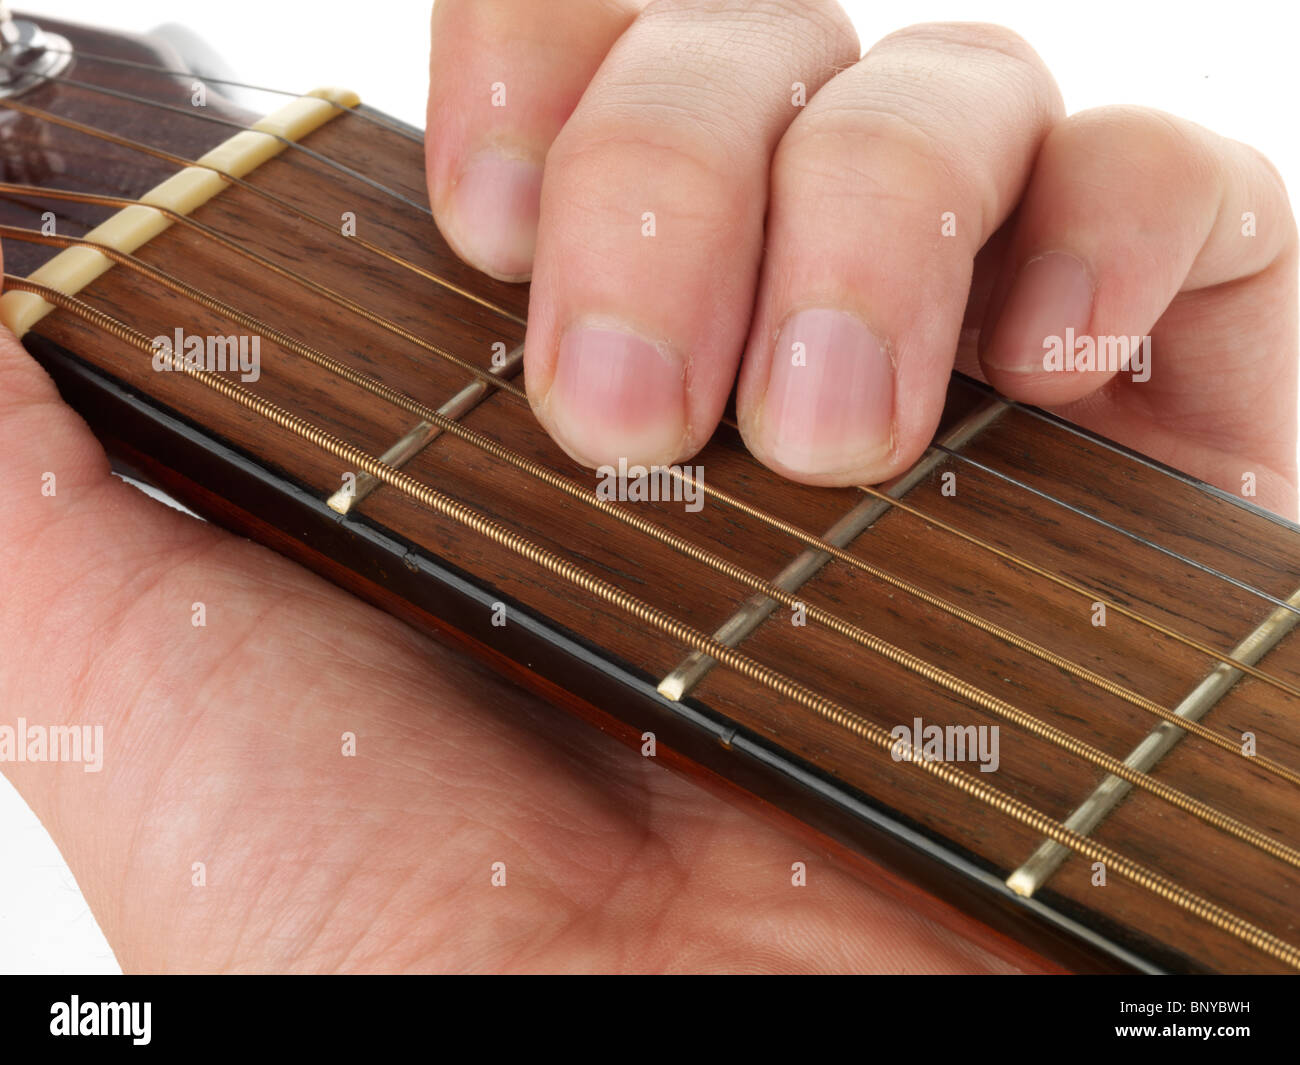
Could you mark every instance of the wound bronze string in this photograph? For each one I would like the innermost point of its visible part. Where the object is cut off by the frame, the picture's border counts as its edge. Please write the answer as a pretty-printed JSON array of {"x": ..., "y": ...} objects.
[
  {"x": 767, "y": 589},
  {"x": 263, "y": 194},
  {"x": 498, "y": 382},
  {"x": 881, "y": 647},
  {"x": 497, "y": 533},
  {"x": 338, "y": 299},
  {"x": 1095, "y": 597}
]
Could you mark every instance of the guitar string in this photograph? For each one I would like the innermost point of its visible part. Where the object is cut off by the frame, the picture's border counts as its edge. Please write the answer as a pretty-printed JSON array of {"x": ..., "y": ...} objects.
[
  {"x": 1008, "y": 636},
  {"x": 1097, "y": 519},
  {"x": 1211, "y": 912},
  {"x": 1155, "y": 465},
  {"x": 202, "y": 114},
  {"x": 497, "y": 382},
  {"x": 410, "y": 404},
  {"x": 208, "y": 233},
  {"x": 1079, "y": 589},
  {"x": 415, "y": 136},
  {"x": 398, "y": 196},
  {"x": 883, "y": 648},
  {"x": 369, "y": 116},
  {"x": 126, "y": 142},
  {"x": 261, "y": 193}
]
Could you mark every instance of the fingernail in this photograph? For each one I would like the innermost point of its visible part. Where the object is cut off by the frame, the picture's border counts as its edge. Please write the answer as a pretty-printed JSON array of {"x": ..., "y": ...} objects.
[
  {"x": 617, "y": 395},
  {"x": 829, "y": 404},
  {"x": 494, "y": 210},
  {"x": 1051, "y": 294}
]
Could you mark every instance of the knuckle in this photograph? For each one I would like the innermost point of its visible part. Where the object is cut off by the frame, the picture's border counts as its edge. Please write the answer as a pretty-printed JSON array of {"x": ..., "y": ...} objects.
[
  {"x": 988, "y": 49},
  {"x": 823, "y": 19},
  {"x": 1270, "y": 176},
  {"x": 832, "y": 20},
  {"x": 660, "y": 134},
  {"x": 1146, "y": 143},
  {"x": 604, "y": 166},
  {"x": 966, "y": 37},
  {"x": 859, "y": 152},
  {"x": 1160, "y": 158}
]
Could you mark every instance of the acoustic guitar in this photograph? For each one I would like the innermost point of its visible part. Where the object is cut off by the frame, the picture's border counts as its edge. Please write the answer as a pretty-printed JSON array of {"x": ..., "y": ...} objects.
[{"x": 1050, "y": 685}]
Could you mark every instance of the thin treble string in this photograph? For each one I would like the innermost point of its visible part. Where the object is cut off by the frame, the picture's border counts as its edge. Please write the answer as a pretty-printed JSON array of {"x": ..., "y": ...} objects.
[
  {"x": 1142, "y": 460},
  {"x": 883, "y": 648},
  {"x": 152, "y": 68},
  {"x": 261, "y": 193},
  {"x": 202, "y": 115},
  {"x": 1081, "y": 512},
  {"x": 1064, "y": 582},
  {"x": 1087, "y": 593},
  {"x": 352, "y": 173},
  {"x": 497, "y": 381},
  {"x": 1007, "y": 636},
  {"x": 503, "y": 536}
]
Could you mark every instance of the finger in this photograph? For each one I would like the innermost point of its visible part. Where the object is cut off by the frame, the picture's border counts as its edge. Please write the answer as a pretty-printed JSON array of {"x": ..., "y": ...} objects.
[
  {"x": 1137, "y": 224},
  {"x": 883, "y": 190},
  {"x": 652, "y": 222},
  {"x": 503, "y": 77}
]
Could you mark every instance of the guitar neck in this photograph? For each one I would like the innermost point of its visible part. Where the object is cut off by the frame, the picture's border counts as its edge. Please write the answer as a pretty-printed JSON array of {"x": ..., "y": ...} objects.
[{"x": 1049, "y": 681}]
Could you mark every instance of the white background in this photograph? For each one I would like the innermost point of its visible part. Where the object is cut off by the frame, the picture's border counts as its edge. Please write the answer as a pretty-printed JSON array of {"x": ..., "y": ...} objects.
[{"x": 1230, "y": 66}]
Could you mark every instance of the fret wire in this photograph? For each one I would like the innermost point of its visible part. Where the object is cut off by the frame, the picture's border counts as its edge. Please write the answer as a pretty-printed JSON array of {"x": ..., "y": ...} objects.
[
  {"x": 809, "y": 563},
  {"x": 494, "y": 380},
  {"x": 413, "y": 406},
  {"x": 1154, "y": 748},
  {"x": 202, "y": 115},
  {"x": 497, "y": 381},
  {"x": 876, "y": 644},
  {"x": 1214, "y": 914},
  {"x": 408, "y": 202},
  {"x": 1065, "y": 582},
  {"x": 1048, "y": 497},
  {"x": 256, "y": 190},
  {"x": 155, "y": 69}
]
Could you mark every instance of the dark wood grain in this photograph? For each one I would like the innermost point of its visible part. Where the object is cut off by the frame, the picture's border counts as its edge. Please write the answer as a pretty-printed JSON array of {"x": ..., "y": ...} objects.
[{"x": 1209, "y": 529}]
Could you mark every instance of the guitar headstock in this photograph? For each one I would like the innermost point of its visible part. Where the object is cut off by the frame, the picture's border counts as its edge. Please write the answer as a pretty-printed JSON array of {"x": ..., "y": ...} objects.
[{"x": 51, "y": 66}]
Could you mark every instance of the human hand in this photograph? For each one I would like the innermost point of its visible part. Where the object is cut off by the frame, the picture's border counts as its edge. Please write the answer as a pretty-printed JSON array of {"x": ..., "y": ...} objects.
[
  {"x": 224, "y": 743},
  {"x": 930, "y": 201}
]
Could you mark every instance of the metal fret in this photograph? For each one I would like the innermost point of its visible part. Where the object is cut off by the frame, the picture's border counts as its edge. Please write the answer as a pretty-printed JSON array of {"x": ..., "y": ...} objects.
[
  {"x": 425, "y": 432},
  {"x": 1050, "y": 856},
  {"x": 695, "y": 667}
]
